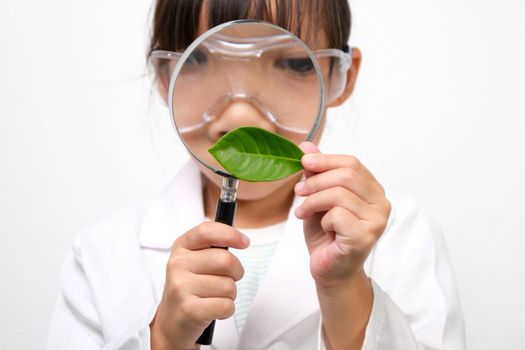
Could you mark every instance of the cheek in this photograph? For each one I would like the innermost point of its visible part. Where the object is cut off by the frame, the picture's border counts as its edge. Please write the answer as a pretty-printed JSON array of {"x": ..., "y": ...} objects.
[
  {"x": 298, "y": 138},
  {"x": 198, "y": 142}
]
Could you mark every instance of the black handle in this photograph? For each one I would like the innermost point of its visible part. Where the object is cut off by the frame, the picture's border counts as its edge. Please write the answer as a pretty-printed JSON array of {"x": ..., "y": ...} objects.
[{"x": 224, "y": 214}]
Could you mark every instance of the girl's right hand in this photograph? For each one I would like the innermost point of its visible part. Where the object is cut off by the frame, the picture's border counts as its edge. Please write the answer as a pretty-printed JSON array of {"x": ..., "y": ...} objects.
[{"x": 200, "y": 285}]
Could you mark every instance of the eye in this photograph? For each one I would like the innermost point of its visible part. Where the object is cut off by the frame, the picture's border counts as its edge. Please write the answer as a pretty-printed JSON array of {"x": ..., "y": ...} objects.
[
  {"x": 299, "y": 65},
  {"x": 197, "y": 57}
]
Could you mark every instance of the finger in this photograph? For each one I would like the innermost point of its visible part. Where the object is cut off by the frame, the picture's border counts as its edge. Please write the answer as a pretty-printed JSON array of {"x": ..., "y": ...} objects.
[
  {"x": 218, "y": 308},
  {"x": 216, "y": 261},
  {"x": 309, "y": 147},
  {"x": 207, "y": 309},
  {"x": 318, "y": 163},
  {"x": 351, "y": 232},
  {"x": 344, "y": 177},
  {"x": 211, "y": 286},
  {"x": 325, "y": 200},
  {"x": 211, "y": 261},
  {"x": 213, "y": 234}
]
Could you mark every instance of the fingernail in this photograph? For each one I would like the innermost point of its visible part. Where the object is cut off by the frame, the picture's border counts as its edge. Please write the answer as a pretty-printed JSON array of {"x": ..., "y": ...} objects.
[
  {"x": 299, "y": 187},
  {"x": 245, "y": 240},
  {"x": 298, "y": 212}
]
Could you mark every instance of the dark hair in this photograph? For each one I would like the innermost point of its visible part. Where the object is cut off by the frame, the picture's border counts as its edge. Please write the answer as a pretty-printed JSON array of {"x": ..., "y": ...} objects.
[{"x": 176, "y": 22}]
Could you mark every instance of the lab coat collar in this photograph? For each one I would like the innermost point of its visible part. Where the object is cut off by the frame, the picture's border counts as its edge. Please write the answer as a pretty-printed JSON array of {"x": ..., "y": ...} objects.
[
  {"x": 178, "y": 208},
  {"x": 286, "y": 296}
]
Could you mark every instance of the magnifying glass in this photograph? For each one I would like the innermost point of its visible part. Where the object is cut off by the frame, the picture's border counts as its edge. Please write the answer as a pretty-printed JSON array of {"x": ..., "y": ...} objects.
[{"x": 243, "y": 73}]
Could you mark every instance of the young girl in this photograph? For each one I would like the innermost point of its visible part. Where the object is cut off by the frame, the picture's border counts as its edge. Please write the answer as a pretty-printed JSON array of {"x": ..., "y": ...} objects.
[{"x": 323, "y": 261}]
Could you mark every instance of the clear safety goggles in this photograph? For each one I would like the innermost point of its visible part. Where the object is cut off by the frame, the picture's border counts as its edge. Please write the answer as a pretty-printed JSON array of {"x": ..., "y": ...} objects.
[{"x": 273, "y": 73}]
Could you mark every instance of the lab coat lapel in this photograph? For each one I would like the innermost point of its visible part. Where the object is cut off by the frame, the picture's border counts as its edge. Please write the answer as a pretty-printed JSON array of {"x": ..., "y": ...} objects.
[
  {"x": 225, "y": 336},
  {"x": 178, "y": 209},
  {"x": 287, "y": 295}
]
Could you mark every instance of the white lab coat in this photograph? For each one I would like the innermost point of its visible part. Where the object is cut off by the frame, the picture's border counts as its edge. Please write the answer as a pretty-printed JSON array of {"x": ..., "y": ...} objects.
[{"x": 113, "y": 278}]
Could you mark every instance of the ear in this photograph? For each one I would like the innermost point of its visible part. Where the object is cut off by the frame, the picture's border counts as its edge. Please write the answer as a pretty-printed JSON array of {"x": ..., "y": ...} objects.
[{"x": 351, "y": 78}]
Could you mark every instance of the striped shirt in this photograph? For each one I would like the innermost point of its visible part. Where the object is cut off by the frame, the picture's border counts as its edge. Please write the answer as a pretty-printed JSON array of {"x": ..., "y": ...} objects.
[{"x": 255, "y": 261}]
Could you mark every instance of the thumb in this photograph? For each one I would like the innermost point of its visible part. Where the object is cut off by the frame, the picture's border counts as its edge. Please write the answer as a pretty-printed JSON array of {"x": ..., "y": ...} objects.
[{"x": 309, "y": 147}]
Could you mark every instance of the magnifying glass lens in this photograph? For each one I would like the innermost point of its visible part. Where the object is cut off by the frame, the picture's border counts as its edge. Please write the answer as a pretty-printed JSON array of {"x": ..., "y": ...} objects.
[{"x": 245, "y": 74}]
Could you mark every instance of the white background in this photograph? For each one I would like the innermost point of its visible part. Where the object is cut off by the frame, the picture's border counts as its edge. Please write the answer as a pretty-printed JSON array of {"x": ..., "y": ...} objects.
[{"x": 438, "y": 112}]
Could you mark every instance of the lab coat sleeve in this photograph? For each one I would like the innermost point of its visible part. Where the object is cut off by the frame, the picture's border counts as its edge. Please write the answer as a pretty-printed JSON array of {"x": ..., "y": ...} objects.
[
  {"x": 387, "y": 328},
  {"x": 416, "y": 304},
  {"x": 76, "y": 323}
]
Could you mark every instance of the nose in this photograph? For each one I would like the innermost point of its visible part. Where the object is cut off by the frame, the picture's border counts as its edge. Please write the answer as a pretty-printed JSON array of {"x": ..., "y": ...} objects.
[{"x": 236, "y": 114}]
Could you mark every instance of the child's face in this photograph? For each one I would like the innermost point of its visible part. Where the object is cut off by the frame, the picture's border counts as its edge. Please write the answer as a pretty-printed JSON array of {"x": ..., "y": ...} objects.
[{"x": 241, "y": 113}]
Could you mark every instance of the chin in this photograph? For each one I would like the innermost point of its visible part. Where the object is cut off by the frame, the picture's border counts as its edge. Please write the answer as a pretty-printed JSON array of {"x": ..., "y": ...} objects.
[{"x": 250, "y": 191}]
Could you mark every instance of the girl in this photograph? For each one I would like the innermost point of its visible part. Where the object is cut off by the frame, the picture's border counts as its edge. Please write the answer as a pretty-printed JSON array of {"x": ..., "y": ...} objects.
[{"x": 324, "y": 261}]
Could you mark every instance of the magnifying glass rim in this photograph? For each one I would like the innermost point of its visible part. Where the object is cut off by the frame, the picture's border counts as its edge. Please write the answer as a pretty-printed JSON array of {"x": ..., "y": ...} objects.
[{"x": 203, "y": 37}]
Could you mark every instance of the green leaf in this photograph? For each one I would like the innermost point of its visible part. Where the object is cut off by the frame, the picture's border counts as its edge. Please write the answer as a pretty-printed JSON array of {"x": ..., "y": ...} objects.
[{"x": 254, "y": 154}]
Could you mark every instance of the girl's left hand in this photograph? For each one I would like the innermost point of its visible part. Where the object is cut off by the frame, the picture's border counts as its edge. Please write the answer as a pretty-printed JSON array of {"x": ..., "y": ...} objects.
[{"x": 345, "y": 212}]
